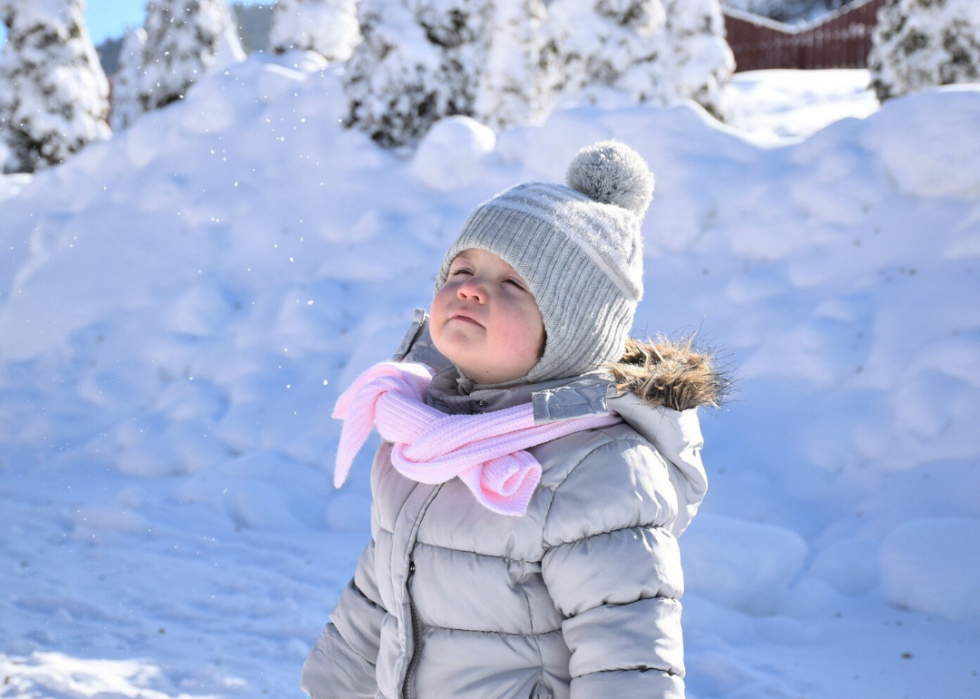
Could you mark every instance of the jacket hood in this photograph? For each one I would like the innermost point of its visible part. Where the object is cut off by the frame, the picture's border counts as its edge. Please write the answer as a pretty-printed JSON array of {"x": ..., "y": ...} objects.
[
  {"x": 670, "y": 374},
  {"x": 656, "y": 388}
]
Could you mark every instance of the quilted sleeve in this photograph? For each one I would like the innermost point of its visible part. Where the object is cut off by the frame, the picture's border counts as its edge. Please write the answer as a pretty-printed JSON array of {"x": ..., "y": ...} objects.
[
  {"x": 342, "y": 663},
  {"x": 613, "y": 569}
]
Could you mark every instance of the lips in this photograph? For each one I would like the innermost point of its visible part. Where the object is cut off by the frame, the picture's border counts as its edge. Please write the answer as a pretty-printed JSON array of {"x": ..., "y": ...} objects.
[{"x": 465, "y": 319}]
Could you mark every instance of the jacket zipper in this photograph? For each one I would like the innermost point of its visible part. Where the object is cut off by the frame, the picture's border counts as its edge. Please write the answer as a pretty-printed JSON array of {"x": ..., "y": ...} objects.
[
  {"x": 408, "y": 690},
  {"x": 417, "y": 636}
]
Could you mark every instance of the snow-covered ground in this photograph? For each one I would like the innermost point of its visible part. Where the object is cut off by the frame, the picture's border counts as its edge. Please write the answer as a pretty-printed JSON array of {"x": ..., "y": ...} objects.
[
  {"x": 180, "y": 306},
  {"x": 775, "y": 106}
]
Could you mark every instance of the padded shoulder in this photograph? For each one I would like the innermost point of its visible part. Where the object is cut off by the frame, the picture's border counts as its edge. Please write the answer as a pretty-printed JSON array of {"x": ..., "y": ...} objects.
[{"x": 620, "y": 482}]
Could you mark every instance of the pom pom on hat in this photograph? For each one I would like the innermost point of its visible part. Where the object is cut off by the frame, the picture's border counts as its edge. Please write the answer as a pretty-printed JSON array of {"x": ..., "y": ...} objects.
[{"x": 611, "y": 172}]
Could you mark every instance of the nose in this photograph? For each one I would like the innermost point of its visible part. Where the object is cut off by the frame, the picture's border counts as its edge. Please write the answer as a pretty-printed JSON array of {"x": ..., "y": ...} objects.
[{"x": 472, "y": 290}]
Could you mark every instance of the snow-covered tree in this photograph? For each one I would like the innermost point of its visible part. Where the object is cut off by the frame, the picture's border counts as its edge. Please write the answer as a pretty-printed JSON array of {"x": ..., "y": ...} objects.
[
  {"x": 590, "y": 45},
  {"x": 184, "y": 39},
  {"x": 126, "y": 80},
  {"x": 920, "y": 43},
  {"x": 512, "y": 87},
  {"x": 328, "y": 27},
  {"x": 420, "y": 60},
  {"x": 392, "y": 81},
  {"x": 699, "y": 61},
  {"x": 54, "y": 97},
  {"x": 605, "y": 51}
]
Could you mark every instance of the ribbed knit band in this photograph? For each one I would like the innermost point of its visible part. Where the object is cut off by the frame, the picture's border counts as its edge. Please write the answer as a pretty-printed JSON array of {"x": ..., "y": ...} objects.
[{"x": 582, "y": 260}]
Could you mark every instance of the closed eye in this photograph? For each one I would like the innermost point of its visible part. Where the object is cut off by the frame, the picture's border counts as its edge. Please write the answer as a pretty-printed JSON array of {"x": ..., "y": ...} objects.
[{"x": 515, "y": 283}]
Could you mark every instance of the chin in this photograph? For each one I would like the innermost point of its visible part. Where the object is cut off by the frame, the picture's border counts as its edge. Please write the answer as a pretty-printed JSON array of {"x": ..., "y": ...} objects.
[
  {"x": 449, "y": 352},
  {"x": 453, "y": 346}
]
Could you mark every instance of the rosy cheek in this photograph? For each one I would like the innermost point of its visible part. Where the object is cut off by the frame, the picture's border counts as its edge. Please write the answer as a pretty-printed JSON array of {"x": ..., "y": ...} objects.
[
  {"x": 521, "y": 335},
  {"x": 442, "y": 298}
]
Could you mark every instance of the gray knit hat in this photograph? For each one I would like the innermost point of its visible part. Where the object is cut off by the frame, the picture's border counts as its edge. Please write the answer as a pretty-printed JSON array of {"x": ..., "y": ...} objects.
[{"x": 580, "y": 250}]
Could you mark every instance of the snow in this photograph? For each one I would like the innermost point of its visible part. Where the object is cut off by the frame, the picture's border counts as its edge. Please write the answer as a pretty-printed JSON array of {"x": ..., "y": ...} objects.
[
  {"x": 777, "y": 103},
  {"x": 181, "y": 305},
  {"x": 637, "y": 51},
  {"x": 513, "y": 87},
  {"x": 448, "y": 157},
  {"x": 591, "y": 46},
  {"x": 47, "y": 674},
  {"x": 184, "y": 39},
  {"x": 125, "y": 82},
  {"x": 923, "y": 561},
  {"x": 12, "y": 185},
  {"x": 932, "y": 165},
  {"x": 700, "y": 60},
  {"x": 795, "y": 12},
  {"x": 741, "y": 565},
  {"x": 394, "y": 81},
  {"x": 920, "y": 43},
  {"x": 54, "y": 99},
  {"x": 328, "y": 27}
]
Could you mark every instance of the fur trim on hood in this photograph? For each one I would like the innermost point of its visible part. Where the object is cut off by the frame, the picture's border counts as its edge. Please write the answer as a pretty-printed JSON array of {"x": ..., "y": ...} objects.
[{"x": 670, "y": 373}]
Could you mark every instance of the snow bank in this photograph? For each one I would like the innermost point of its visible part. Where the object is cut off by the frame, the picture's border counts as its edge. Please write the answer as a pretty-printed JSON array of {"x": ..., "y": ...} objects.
[
  {"x": 933, "y": 565},
  {"x": 771, "y": 106},
  {"x": 12, "y": 185},
  {"x": 743, "y": 565},
  {"x": 931, "y": 164},
  {"x": 850, "y": 566},
  {"x": 448, "y": 157},
  {"x": 61, "y": 676}
]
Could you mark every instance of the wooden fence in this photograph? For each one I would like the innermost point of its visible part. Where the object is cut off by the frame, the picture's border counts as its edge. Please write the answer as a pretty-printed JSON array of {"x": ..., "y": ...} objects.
[{"x": 839, "y": 40}]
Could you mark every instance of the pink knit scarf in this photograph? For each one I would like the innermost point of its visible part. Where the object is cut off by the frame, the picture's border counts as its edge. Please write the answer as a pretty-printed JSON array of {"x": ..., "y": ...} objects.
[{"x": 485, "y": 451}]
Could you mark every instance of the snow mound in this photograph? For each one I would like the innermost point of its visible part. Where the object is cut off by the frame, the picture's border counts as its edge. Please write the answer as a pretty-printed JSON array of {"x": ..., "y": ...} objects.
[
  {"x": 850, "y": 566},
  {"x": 933, "y": 565},
  {"x": 448, "y": 157},
  {"x": 11, "y": 185},
  {"x": 60, "y": 676},
  {"x": 743, "y": 565},
  {"x": 932, "y": 164}
]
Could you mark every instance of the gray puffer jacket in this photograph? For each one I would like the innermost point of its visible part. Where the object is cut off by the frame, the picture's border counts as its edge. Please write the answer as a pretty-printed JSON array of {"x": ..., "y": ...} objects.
[{"x": 579, "y": 597}]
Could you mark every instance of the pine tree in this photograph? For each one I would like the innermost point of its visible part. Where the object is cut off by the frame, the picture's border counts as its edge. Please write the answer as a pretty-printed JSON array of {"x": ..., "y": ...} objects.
[
  {"x": 512, "y": 87},
  {"x": 921, "y": 43},
  {"x": 391, "y": 82},
  {"x": 328, "y": 27},
  {"x": 420, "y": 60},
  {"x": 184, "y": 39},
  {"x": 614, "y": 51},
  {"x": 460, "y": 30},
  {"x": 699, "y": 61},
  {"x": 53, "y": 92},
  {"x": 592, "y": 45},
  {"x": 126, "y": 81}
]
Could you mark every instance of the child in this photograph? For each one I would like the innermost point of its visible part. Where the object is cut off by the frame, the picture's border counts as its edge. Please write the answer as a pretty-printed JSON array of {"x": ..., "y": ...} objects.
[{"x": 527, "y": 496}]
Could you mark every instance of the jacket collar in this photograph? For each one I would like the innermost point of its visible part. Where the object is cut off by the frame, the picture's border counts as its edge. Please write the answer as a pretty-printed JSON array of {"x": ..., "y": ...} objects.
[
  {"x": 557, "y": 399},
  {"x": 659, "y": 402},
  {"x": 450, "y": 392}
]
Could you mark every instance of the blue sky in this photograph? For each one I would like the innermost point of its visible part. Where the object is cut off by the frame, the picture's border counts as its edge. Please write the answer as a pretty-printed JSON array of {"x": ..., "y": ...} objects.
[{"x": 106, "y": 18}]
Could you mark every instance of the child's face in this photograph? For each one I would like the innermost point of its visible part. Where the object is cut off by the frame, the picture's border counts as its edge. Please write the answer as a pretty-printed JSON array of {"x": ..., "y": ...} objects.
[{"x": 485, "y": 320}]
